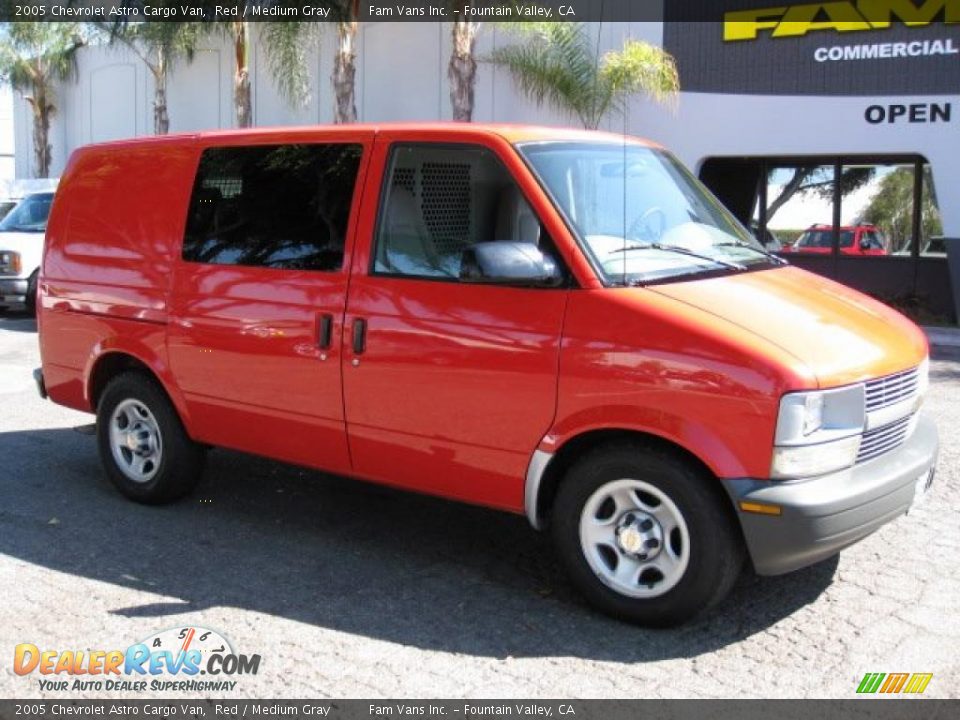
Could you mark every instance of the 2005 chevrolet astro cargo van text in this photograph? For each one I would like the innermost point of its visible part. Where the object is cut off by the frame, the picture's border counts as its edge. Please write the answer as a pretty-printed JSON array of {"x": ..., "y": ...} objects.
[{"x": 546, "y": 321}]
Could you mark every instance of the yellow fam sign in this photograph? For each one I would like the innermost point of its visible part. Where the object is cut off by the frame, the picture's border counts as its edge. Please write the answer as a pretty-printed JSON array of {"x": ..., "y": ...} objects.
[{"x": 841, "y": 16}]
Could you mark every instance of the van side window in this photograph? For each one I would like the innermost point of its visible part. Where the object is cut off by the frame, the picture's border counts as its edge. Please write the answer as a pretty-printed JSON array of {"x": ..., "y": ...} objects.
[
  {"x": 439, "y": 200},
  {"x": 276, "y": 206}
]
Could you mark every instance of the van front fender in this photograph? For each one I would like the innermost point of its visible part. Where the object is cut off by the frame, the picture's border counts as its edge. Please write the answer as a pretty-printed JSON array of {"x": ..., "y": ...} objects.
[{"x": 688, "y": 433}]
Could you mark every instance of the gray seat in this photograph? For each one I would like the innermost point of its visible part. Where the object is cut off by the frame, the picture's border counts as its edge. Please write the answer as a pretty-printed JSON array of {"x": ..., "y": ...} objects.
[
  {"x": 516, "y": 220},
  {"x": 408, "y": 248}
]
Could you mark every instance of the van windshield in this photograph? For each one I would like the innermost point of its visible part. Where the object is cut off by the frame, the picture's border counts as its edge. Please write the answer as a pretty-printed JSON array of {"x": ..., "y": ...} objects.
[
  {"x": 30, "y": 215},
  {"x": 639, "y": 215}
]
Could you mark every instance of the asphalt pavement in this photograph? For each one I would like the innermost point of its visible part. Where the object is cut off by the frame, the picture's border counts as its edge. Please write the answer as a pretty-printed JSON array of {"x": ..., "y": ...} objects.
[{"x": 351, "y": 590}]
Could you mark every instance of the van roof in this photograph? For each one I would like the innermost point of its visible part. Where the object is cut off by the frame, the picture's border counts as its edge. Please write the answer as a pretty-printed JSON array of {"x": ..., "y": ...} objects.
[{"x": 514, "y": 133}]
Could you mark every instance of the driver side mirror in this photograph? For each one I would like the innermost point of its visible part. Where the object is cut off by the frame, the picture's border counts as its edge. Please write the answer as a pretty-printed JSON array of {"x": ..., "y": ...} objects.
[{"x": 505, "y": 262}]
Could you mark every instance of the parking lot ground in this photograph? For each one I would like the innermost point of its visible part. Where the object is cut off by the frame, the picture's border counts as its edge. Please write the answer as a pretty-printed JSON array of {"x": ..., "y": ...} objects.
[{"x": 351, "y": 590}]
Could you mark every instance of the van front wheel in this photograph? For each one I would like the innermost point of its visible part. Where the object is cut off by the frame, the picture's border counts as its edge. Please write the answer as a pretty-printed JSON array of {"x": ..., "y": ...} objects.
[
  {"x": 144, "y": 449},
  {"x": 643, "y": 535}
]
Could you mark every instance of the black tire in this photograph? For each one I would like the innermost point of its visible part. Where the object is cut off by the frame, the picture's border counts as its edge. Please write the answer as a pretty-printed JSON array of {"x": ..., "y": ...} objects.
[
  {"x": 31, "y": 300},
  {"x": 181, "y": 460},
  {"x": 715, "y": 555}
]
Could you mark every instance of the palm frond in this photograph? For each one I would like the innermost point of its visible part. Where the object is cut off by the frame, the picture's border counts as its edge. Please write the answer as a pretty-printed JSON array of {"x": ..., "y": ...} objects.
[
  {"x": 553, "y": 63},
  {"x": 187, "y": 39},
  {"x": 285, "y": 44},
  {"x": 41, "y": 52},
  {"x": 557, "y": 62},
  {"x": 640, "y": 68},
  {"x": 150, "y": 40}
]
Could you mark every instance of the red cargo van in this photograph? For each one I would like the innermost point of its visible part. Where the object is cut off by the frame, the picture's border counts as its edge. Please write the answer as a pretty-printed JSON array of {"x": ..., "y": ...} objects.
[{"x": 551, "y": 322}]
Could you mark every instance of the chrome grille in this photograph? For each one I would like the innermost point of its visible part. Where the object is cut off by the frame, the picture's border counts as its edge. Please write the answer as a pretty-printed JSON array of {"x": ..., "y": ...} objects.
[
  {"x": 892, "y": 389},
  {"x": 883, "y": 439}
]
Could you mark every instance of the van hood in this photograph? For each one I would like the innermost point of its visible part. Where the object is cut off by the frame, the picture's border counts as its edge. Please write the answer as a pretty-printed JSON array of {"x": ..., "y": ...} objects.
[{"x": 841, "y": 335}]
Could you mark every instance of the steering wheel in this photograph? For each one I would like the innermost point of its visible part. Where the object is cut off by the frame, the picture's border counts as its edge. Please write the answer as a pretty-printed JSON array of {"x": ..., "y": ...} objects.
[{"x": 641, "y": 228}]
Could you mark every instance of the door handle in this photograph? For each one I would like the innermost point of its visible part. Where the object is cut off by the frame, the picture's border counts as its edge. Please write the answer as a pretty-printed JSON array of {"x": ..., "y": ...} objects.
[
  {"x": 324, "y": 331},
  {"x": 359, "y": 336}
]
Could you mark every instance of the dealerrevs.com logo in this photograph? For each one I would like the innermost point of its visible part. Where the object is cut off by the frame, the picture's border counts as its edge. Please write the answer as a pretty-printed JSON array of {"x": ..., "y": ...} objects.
[{"x": 190, "y": 659}]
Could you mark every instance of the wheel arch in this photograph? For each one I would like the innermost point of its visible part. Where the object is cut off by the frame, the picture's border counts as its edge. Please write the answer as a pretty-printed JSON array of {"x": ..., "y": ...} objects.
[
  {"x": 547, "y": 471},
  {"x": 108, "y": 361}
]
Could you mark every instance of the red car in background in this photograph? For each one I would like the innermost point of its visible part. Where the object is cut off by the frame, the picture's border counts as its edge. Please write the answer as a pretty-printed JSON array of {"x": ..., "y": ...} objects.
[{"x": 854, "y": 240}]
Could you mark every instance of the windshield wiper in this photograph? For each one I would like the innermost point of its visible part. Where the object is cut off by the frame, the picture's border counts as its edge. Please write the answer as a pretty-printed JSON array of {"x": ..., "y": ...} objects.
[
  {"x": 679, "y": 250},
  {"x": 777, "y": 258}
]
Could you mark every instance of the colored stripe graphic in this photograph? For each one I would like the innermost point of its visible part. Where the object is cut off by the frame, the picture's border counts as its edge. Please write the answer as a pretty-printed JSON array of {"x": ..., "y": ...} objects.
[
  {"x": 870, "y": 682},
  {"x": 894, "y": 682},
  {"x": 918, "y": 683}
]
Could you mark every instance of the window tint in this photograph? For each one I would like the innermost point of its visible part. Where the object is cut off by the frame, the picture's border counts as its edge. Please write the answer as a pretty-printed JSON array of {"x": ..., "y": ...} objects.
[
  {"x": 441, "y": 199},
  {"x": 278, "y": 206}
]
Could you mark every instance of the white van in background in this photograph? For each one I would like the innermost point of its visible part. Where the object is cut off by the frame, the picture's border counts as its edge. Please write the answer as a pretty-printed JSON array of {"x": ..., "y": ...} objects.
[{"x": 21, "y": 250}]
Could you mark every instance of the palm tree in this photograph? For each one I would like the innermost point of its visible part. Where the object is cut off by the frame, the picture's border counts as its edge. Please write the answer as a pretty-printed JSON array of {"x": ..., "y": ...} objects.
[
  {"x": 462, "y": 68},
  {"x": 159, "y": 45},
  {"x": 558, "y": 62},
  {"x": 33, "y": 58},
  {"x": 284, "y": 44},
  {"x": 346, "y": 12}
]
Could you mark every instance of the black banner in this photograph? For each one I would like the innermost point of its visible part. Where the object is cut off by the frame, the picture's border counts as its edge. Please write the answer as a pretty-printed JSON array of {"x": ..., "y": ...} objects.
[
  {"x": 881, "y": 47},
  {"x": 331, "y": 10}
]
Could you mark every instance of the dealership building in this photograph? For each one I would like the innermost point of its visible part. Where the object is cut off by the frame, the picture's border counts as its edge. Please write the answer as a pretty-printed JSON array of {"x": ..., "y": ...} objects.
[{"x": 833, "y": 129}]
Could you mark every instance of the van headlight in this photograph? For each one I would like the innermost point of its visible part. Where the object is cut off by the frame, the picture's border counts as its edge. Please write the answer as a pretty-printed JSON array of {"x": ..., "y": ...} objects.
[
  {"x": 10, "y": 262},
  {"x": 818, "y": 432}
]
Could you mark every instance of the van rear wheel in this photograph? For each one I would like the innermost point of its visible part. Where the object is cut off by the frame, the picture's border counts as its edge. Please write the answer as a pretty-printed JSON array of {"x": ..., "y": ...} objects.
[
  {"x": 643, "y": 535},
  {"x": 143, "y": 447}
]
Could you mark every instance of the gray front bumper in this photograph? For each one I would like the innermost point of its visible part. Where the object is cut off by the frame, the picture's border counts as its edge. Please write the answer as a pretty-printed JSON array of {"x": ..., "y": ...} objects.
[
  {"x": 821, "y": 516},
  {"x": 13, "y": 291}
]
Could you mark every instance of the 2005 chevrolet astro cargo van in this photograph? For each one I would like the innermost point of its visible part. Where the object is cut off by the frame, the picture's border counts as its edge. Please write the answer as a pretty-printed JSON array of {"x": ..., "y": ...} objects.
[{"x": 546, "y": 321}]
